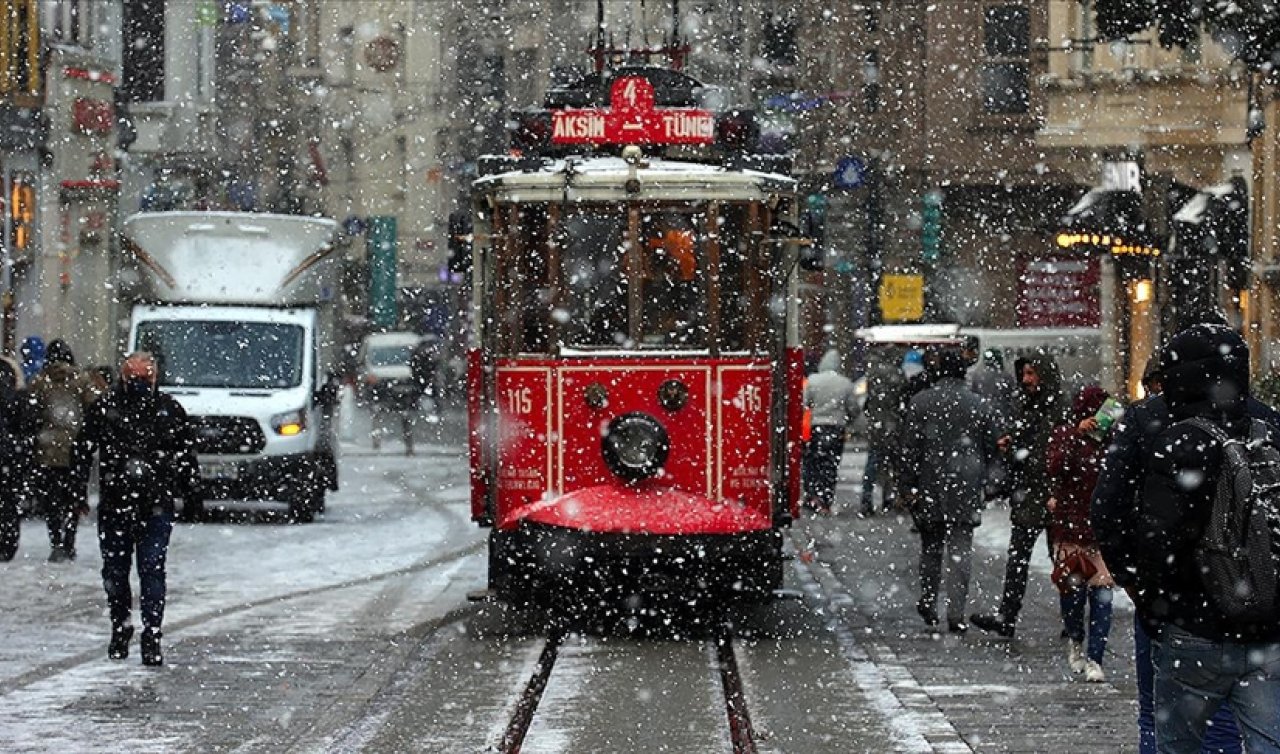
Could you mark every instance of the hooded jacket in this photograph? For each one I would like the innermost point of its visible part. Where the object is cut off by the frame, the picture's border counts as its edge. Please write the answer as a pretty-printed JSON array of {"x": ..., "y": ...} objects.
[
  {"x": 830, "y": 395},
  {"x": 1118, "y": 495},
  {"x": 1073, "y": 462},
  {"x": 1035, "y": 415},
  {"x": 146, "y": 453},
  {"x": 1206, "y": 374}
]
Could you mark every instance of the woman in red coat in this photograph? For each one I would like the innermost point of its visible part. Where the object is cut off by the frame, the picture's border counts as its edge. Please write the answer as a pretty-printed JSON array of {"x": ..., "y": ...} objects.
[{"x": 1074, "y": 458}]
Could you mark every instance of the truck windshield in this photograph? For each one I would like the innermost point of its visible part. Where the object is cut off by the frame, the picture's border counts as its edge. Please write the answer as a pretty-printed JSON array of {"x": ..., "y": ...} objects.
[{"x": 224, "y": 354}]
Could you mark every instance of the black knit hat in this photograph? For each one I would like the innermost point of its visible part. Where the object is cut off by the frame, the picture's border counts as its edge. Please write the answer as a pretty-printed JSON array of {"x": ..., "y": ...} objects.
[
  {"x": 1205, "y": 363},
  {"x": 59, "y": 351},
  {"x": 950, "y": 363}
]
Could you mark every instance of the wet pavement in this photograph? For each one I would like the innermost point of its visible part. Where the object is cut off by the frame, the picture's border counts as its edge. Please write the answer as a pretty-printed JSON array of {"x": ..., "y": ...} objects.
[
  {"x": 972, "y": 692},
  {"x": 391, "y": 657}
]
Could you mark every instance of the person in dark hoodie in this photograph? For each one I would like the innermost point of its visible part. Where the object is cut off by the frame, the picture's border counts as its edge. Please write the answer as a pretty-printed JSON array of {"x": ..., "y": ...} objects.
[
  {"x": 1202, "y": 658},
  {"x": 1114, "y": 515},
  {"x": 1038, "y": 408},
  {"x": 59, "y": 397},
  {"x": 146, "y": 456}
]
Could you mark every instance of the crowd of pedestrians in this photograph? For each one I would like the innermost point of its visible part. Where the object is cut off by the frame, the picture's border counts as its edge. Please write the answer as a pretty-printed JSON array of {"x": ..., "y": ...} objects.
[
  {"x": 54, "y": 419},
  {"x": 1177, "y": 503}
]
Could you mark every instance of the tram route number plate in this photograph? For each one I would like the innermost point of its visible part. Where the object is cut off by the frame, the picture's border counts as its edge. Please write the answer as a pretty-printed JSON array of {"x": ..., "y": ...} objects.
[{"x": 219, "y": 471}]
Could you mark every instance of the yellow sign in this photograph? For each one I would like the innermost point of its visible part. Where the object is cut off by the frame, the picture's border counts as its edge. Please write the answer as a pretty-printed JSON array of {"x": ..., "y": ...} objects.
[{"x": 902, "y": 298}]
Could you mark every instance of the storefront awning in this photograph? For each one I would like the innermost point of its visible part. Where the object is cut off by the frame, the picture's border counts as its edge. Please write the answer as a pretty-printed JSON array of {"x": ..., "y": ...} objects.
[
  {"x": 1106, "y": 211},
  {"x": 1108, "y": 219}
]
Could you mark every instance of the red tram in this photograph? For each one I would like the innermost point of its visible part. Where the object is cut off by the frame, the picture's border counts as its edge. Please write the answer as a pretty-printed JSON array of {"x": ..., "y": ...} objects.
[{"x": 634, "y": 383}]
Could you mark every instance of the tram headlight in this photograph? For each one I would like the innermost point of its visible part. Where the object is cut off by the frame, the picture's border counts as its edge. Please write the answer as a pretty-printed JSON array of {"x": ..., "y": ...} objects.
[{"x": 635, "y": 446}]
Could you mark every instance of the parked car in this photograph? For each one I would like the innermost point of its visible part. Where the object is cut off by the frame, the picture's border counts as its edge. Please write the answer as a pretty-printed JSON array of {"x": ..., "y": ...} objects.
[{"x": 384, "y": 379}]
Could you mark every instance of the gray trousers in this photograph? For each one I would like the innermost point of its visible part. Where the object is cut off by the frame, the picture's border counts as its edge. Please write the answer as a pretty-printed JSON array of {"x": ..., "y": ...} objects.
[{"x": 956, "y": 541}]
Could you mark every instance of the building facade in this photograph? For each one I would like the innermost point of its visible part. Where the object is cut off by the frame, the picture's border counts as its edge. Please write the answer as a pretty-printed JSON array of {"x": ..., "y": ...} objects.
[
  {"x": 59, "y": 68},
  {"x": 1179, "y": 119}
]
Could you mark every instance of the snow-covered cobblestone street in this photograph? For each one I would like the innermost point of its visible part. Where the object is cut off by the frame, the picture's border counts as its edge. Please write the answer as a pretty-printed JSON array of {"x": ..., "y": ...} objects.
[{"x": 351, "y": 634}]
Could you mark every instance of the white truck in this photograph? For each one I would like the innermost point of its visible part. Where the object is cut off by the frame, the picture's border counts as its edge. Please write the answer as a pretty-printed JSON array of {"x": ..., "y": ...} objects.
[{"x": 238, "y": 309}]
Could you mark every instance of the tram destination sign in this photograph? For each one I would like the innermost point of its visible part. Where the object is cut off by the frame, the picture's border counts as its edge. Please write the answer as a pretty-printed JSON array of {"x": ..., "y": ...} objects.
[{"x": 632, "y": 118}]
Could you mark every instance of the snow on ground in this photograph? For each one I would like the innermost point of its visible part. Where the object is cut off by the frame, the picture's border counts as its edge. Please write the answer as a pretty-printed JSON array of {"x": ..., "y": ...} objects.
[
  {"x": 252, "y": 574},
  {"x": 990, "y": 540}
]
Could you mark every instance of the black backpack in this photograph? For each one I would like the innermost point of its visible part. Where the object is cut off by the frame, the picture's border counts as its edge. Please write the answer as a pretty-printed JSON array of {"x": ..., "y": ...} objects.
[{"x": 1238, "y": 554}]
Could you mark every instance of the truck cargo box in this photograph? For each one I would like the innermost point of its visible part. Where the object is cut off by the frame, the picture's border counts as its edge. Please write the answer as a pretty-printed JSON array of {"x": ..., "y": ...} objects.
[{"x": 235, "y": 257}]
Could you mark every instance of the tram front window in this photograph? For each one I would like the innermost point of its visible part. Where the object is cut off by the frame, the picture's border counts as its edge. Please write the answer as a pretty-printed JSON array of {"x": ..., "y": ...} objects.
[
  {"x": 674, "y": 311},
  {"x": 596, "y": 302}
]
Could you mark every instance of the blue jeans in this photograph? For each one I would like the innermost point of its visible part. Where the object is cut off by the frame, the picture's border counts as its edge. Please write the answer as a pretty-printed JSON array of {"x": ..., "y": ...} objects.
[
  {"x": 1222, "y": 736},
  {"x": 877, "y": 468},
  {"x": 1072, "y": 604},
  {"x": 1194, "y": 676},
  {"x": 122, "y": 539}
]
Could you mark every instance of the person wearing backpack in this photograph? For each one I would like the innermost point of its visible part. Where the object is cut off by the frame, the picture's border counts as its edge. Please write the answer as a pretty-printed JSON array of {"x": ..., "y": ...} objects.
[
  {"x": 58, "y": 397},
  {"x": 1207, "y": 593}
]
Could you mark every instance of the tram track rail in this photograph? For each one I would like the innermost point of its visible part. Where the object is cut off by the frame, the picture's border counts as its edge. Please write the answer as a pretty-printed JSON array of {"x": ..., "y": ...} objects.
[{"x": 742, "y": 735}]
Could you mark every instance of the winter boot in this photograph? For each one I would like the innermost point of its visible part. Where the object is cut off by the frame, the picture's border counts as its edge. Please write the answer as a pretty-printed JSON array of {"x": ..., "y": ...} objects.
[
  {"x": 118, "y": 649},
  {"x": 150, "y": 642},
  {"x": 928, "y": 613},
  {"x": 1075, "y": 656},
  {"x": 993, "y": 624},
  {"x": 1093, "y": 672}
]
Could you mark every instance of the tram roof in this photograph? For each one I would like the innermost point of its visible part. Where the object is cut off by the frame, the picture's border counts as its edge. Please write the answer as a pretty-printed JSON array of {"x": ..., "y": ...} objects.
[{"x": 605, "y": 178}]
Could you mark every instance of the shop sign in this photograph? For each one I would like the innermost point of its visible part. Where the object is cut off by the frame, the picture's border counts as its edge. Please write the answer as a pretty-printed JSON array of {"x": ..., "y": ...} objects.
[
  {"x": 92, "y": 116},
  {"x": 1059, "y": 291},
  {"x": 902, "y": 298}
]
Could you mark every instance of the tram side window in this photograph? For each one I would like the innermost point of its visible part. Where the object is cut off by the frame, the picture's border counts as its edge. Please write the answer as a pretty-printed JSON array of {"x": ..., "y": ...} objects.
[
  {"x": 675, "y": 307},
  {"x": 595, "y": 305},
  {"x": 535, "y": 293},
  {"x": 735, "y": 296}
]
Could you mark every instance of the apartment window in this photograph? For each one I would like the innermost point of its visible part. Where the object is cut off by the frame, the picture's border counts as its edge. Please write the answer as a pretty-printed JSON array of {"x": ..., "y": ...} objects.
[
  {"x": 69, "y": 22},
  {"x": 20, "y": 48},
  {"x": 1085, "y": 39},
  {"x": 143, "y": 51},
  {"x": 871, "y": 82},
  {"x": 778, "y": 43},
  {"x": 1005, "y": 75}
]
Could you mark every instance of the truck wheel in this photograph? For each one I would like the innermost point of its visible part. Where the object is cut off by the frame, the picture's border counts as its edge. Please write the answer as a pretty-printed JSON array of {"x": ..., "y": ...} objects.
[
  {"x": 8, "y": 541},
  {"x": 329, "y": 464},
  {"x": 191, "y": 512},
  {"x": 300, "y": 512},
  {"x": 306, "y": 502}
]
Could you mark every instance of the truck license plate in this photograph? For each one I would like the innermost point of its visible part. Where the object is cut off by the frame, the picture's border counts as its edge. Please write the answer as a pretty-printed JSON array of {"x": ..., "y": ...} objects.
[{"x": 219, "y": 471}]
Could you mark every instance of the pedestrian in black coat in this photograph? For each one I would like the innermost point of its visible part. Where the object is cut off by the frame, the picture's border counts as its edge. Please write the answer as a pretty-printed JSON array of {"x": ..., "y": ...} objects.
[
  {"x": 15, "y": 437},
  {"x": 949, "y": 439},
  {"x": 1040, "y": 406},
  {"x": 146, "y": 456},
  {"x": 1203, "y": 659}
]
